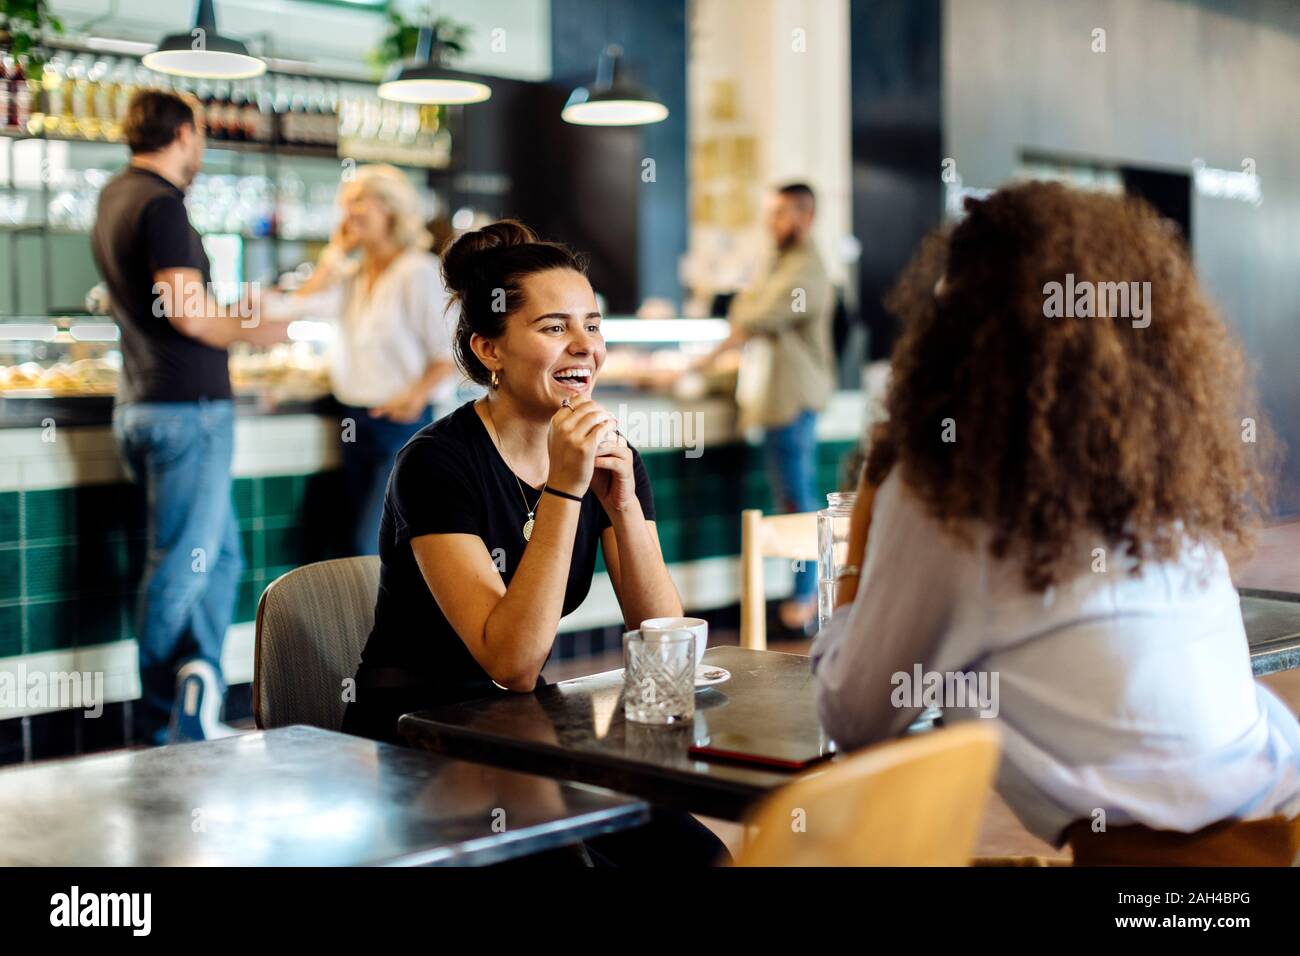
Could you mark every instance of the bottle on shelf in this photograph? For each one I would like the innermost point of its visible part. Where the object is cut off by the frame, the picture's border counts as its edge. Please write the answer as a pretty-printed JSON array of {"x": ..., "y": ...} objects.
[
  {"x": 390, "y": 123},
  {"x": 330, "y": 128},
  {"x": 349, "y": 115},
  {"x": 213, "y": 115},
  {"x": 298, "y": 130},
  {"x": 313, "y": 108},
  {"x": 78, "y": 97},
  {"x": 54, "y": 105},
  {"x": 429, "y": 124},
  {"x": 372, "y": 117},
  {"x": 284, "y": 123},
  {"x": 6, "y": 91},
  {"x": 249, "y": 114},
  {"x": 124, "y": 86},
  {"x": 23, "y": 93},
  {"x": 265, "y": 114},
  {"x": 409, "y": 130},
  {"x": 104, "y": 96},
  {"x": 233, "y": 113}
]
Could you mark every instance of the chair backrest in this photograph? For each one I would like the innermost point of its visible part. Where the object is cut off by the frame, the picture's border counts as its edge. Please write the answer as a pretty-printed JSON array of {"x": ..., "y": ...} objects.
[
  {"x": 312, "y": 625},
  {"x": 762, "y": 536},
  {"x": 918, "y": 801}
]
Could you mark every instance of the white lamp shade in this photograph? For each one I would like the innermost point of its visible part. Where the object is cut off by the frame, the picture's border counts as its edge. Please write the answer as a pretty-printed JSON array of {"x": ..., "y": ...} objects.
[
  {"x": 215, "y": 64},
  {"x": 615, "y": 113},
  {"x": 430, "y": 90}
]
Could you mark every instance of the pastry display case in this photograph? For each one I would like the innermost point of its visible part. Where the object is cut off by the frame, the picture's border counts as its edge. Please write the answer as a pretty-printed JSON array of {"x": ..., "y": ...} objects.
[
  {"x": 68, "y": 366},
  {"x": 58, "y": 357}
]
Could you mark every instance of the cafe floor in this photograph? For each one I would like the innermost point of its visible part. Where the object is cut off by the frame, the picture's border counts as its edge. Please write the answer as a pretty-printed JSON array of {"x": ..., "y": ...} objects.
[{"x": 1275, "y": 566}]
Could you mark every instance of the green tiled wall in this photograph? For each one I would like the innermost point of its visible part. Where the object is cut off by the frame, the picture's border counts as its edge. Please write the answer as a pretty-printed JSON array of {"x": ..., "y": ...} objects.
[
  {"x": 698, "y": 500},
  {"x": 71, "y": 559}
]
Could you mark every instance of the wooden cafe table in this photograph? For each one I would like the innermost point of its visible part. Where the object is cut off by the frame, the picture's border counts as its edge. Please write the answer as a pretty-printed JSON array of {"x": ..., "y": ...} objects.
[
  {"x": 1272, "y": 621},
  {"x": 575, "y": 730},
  {"x": 293, "y": 796}
]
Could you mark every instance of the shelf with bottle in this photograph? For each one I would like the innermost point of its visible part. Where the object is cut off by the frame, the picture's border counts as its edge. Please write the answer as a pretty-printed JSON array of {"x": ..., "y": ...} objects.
[
  {"x": 299, "y": 151},
  {"x": 83, "y": 97},
  {"x": 58, "y": 197},
  {"x": 375, "y": 130}
]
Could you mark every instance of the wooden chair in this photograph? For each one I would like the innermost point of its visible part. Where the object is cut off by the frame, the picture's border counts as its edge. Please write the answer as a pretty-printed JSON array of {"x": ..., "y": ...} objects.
[
  {"x": 793, "y": 537},
  {"x": 918, "y": 801}
]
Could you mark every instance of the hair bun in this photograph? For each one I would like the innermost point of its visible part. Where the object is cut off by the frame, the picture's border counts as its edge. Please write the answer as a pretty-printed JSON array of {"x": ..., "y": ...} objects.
[{"x": 463, "y": 259}]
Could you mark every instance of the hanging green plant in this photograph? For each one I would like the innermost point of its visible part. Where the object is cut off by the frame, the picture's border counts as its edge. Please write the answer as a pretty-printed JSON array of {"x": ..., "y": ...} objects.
[
  {"x": 399, "y": 43},
  {"x": 23, "y": 24}
]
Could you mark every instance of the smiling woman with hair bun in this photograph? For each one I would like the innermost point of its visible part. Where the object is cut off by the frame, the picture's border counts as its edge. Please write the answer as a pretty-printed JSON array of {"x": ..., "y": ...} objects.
[{"x": 494, "y": 514}]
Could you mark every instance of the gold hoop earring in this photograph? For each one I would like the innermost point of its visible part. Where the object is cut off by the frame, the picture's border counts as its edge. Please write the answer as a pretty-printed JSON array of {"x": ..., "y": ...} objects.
[{"x": 495, "y": 381}]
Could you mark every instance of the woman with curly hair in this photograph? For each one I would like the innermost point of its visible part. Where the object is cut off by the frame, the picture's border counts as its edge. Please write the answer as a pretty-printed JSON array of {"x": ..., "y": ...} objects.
[{"x": 1050, "y": 504}]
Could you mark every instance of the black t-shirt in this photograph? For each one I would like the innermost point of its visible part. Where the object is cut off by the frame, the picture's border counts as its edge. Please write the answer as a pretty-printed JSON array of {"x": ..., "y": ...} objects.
[
  {"x": 450, "y": 479},
  {"x": 142, "y": 227}
]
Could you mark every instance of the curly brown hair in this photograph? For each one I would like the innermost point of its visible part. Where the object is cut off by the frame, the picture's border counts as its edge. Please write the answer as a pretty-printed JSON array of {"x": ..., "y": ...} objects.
[{"x": 1043, "y": 427}]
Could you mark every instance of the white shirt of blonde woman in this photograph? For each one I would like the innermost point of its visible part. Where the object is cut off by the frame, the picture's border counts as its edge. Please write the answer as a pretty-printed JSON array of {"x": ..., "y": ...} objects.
[{"x": 386, "y": 336}]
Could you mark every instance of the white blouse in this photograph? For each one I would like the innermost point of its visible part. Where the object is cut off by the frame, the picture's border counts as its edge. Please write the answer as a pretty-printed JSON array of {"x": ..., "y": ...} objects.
[
  {"x": 1129, "y": 695},
  {"x": 386, "y": 337}
]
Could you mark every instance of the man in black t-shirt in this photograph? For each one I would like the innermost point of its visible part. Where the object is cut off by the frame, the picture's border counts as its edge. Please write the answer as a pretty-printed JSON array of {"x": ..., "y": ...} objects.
[{"x": 174, "y": 418}]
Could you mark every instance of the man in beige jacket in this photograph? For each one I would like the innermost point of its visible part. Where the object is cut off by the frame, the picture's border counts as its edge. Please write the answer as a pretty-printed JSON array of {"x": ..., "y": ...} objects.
[{"x": 784, "y": 322}]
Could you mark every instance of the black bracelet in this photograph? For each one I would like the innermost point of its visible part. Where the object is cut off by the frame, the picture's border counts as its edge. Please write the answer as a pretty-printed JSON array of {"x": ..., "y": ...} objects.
[{"x": 547, "y": 489}]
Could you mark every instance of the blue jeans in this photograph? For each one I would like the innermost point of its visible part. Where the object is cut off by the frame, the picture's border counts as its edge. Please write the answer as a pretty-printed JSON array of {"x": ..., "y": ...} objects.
[
  {"x": 791, "y": 452},
  {"x": 181, "y": 453},
  {"x": 367, "y": 460}
]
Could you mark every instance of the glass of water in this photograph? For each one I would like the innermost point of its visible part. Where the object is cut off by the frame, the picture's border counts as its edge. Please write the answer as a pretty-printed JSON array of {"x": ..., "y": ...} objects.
[
  {"x": 832, "y": 549},
  {"x": 659, "y": 676}
]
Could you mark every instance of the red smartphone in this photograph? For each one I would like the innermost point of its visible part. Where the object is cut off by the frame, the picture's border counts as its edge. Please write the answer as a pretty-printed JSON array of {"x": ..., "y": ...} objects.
[{"x": 773, "y": 754}]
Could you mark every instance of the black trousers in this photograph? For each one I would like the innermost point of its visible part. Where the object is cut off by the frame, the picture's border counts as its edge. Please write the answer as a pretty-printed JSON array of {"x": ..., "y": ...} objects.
[{"x": 670, "y": 838}]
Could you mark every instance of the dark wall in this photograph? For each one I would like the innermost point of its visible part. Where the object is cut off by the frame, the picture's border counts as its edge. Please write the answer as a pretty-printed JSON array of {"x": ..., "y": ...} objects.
[
  {"x": 514, "y": 157},
  {"x": 1179, "y": 80},
  {"x": 643, "y": 221},
  {"x": 895, "y": 51}
]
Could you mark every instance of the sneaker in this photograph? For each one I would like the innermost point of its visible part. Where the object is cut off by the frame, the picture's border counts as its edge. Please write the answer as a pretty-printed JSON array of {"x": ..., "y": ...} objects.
[{"x": 197, "y": 709}]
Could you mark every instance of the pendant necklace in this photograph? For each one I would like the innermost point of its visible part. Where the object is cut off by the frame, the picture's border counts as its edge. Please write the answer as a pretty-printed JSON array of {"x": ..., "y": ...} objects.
[{"x": 501, "y": 446}]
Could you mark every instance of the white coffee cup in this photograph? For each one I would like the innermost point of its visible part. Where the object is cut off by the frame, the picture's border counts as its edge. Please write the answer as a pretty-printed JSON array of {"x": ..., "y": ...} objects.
[{"x": 697, "y": 626}]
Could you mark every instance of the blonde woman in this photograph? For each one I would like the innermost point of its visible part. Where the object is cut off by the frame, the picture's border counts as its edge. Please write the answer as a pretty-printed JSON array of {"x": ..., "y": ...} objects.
[{"x": 392, "y": 355}]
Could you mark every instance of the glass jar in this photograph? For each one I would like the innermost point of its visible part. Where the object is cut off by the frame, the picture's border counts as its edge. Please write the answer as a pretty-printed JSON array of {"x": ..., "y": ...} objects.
[{"x": 832, "y": 548}]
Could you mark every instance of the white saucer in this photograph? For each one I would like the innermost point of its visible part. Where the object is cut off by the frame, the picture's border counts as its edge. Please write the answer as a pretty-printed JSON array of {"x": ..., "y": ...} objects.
[{"x": 706, "y": 675}]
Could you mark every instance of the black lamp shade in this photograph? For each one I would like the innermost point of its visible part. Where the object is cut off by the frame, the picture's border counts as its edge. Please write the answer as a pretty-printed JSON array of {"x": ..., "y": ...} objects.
[
  {"x": 424, "y": 79},
  {"x": 613, "y": 100},
  {"x": 203, "y": 52}
]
